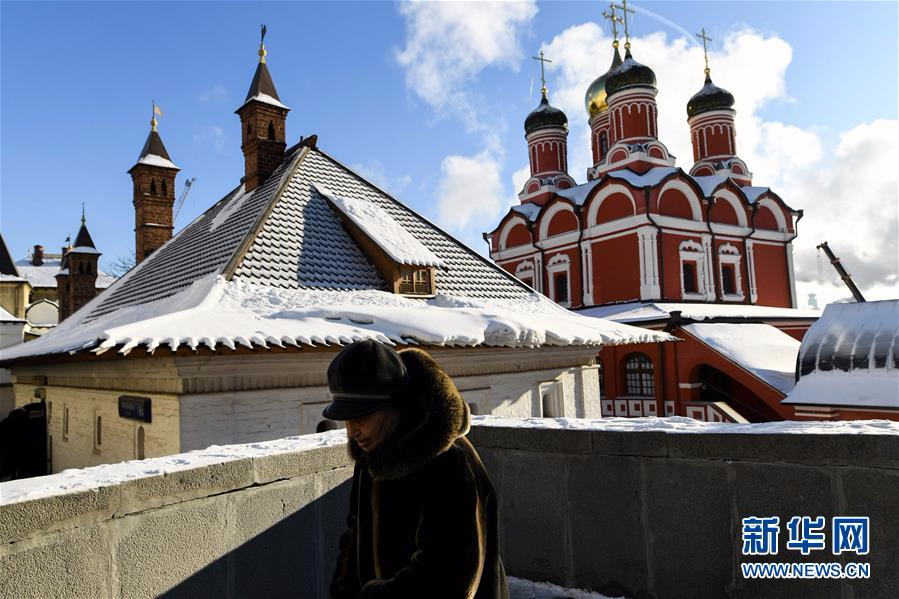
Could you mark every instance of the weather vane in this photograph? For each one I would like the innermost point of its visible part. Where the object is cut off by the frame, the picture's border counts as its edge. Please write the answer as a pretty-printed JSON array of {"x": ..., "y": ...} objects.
[
  {"x": 705, "y": 51},
  {"x": 542, "y": 74},
  {"x": 624, "y": 10},
  {"x": 262, "y": 51},
  {"x": 154, "y": 112},
  {"x": 614, "y": 20}
]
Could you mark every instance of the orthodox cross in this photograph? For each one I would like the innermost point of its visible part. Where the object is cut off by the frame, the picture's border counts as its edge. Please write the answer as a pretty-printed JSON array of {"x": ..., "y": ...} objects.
[
  {"x": 542, "y": 74},
  {"x": 624, "y": 10},
  {"x": 614, "y": 20},
  {"x": 705, "y": 51}
]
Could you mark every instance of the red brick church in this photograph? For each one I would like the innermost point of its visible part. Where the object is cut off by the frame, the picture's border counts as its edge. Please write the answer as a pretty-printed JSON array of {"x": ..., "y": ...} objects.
[{"x": 645, "y": 242}]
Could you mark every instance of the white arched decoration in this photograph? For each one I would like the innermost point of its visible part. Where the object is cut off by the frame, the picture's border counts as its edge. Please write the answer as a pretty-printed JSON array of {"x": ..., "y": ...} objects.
[
  {"x": 525, "y": 270},
  {"x": 730, "y": 255},
  {"x": 735, "y": 203},
  {"x": 504, "y": 232},
  {"x": 776, "y": 211},
  {"x": 559, "y": 263},
  {"x": 547, "y": 217},
  {"x": 603, "y": 193},
  {"x": 689, "y": 193},
  {"x": 691, "y": 251}
]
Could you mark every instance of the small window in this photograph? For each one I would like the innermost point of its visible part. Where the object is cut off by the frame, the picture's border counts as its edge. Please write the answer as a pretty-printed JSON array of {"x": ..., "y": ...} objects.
[
  {"x": 81, "y": 268},
  {"x": 153, "y": 186},
  {"x": 249, "y": 130},
  {"x": 689, "y": 272},
  {"x": 98, "y": 431},
  {"x": 729, "y": 279},
  {"x": 639, "y": 376},
  {"x": 560, "y": 286},
  {"x": 65, "y": 422},
  {"x": 527, "y": 281},
  {"x": 165, "y": 188},
  {"x": 141, "y": 443},
  {"x": 406, "y": 284},
  {"x": 603, "y": 144},
  {"x": 271, "y": 130},
  {"x": 422, "y": 281}
]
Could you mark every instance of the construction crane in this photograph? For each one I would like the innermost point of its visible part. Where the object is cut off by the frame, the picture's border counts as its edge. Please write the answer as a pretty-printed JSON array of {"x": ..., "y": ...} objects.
[
  {"x": 183, "y": 196},
  {"x": 842, "y": 272}
]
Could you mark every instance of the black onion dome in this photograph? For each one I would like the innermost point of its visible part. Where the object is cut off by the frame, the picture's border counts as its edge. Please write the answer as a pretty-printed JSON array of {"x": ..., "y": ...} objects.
[
  {"x": 545, "y": 116},
  {"x": 629, "y": 73},
  {"x": 595, "y": 98},
  {"x": 710, "y": 97}
]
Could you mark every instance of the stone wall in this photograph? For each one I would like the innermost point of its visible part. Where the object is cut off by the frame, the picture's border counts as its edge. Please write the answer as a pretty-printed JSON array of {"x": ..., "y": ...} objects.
[{"x": 655, "y": 514}]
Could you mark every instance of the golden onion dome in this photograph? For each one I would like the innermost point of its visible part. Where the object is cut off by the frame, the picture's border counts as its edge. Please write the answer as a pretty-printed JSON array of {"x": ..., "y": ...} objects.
[{"x": 595, "y": 100}]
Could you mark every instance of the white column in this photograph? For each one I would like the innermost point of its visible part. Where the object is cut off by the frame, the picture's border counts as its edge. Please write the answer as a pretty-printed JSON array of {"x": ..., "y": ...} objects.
[
  {"x": 750, "y": 267},
  {"x": 791, "y": 274}
]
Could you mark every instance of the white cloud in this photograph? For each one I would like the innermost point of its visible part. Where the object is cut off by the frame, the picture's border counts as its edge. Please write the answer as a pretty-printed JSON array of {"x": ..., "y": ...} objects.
[
  {"x": 216, "y": 93},
  {"x": 212, "y": 136},
  {"x": 471, "y": 191},
  {"x": 449, "y": 43}
]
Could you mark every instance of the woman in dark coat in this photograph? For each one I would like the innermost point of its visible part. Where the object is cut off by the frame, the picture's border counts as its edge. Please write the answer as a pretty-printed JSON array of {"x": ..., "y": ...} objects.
[{"x": 422, "y": 520}]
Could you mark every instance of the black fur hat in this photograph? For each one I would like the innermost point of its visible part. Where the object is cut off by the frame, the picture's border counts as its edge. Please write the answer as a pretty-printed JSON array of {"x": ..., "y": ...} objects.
[{"x": 364, "y": 377}]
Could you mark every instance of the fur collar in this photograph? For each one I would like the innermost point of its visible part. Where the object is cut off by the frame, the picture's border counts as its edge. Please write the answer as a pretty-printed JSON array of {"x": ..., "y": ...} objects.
[{"x": 433, "y": 416}]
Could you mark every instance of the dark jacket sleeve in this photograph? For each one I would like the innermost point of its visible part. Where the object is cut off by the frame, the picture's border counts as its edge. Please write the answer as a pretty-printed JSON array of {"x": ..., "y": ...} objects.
[
  {"x": 450, "y": 540},
  {"x": 345, "y": 581}
]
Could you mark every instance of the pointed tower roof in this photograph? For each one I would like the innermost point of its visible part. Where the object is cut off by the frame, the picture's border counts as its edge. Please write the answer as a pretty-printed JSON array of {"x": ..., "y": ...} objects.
[
  {"x": 153, "y": 152},
  {"x": 262, "y": 89},
  {"x": 7, "y": 264},
  {"x": 83, "y": 242}
]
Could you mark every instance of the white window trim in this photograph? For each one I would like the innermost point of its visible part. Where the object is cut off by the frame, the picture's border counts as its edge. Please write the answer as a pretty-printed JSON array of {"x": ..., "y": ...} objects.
[
  {"x": 559, "y": 263},
  {"x": 728, "y": 254},
  {"x": 691, "y": 251}
]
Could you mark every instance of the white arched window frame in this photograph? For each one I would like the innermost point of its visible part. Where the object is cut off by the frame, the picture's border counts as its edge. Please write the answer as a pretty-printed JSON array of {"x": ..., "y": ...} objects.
[
  {"x": 691, "y": 251},
  {"x": 525, "y": 270},
  {"x": 776, "y": 211},
  {"x": 692, "y": 198},
  {"x": 507, "y": 228},
  {"x": 729, "y": 257},
  {"x": 548, "y": 216},
  {"x": 731, "y": 198},
  {"x": 601, "y": 196},
  {"x": 558, "y": 264}
]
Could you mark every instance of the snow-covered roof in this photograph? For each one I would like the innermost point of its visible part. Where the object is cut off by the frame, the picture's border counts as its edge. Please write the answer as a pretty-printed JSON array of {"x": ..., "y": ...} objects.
[
  {"x": 282, "y": 270},
  {"x": 154, "y": 160},
  {"x": 388, "y": 234},
  {"x": 850, "y": 357},
  {"x": 761, "y": 349},
  {"x": 45, "y": 274},
  {"x": 753, "y": 193},
  {"x": 7, "y": 317},
  {"x": 83, "y": 249},
  {"x": 14, "y": 278},
  {"x": 633, "y": 312},
  {"x": 267, "y": 99}
]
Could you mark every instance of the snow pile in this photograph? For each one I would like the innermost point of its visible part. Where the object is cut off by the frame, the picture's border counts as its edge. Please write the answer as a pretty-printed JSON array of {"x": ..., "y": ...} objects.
[
  {"x": 380, "y": 227},
  {"x": 642, "y": 312},
  {"x": 682, "y": 424},
  {"x": 233, "y": 205},
  {"x": 95, "y": 477},
  {"x": 213, "y": 312},
  {"x": 154, "y": 160},
  {"x": 765, "y": 351},
  {"x": 266, "y": 99},
  {"x": 854, "y": 389},
  {"x": 520, "y": 588}
]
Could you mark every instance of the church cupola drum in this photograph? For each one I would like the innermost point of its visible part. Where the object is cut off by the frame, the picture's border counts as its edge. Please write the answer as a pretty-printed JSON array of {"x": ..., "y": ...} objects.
[
  {"x": 546, "y": 132},
  {"x": 262, "y": 120}
]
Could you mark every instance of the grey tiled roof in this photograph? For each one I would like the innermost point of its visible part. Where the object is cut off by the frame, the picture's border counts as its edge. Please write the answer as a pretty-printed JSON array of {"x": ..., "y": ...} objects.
[
  {"x": 300, "y": 244},
  {"x": 303, "y": 244},
  {"x": 195, "y": 251}
]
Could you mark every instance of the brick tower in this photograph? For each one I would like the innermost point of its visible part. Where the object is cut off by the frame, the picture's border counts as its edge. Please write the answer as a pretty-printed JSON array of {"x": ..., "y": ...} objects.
[
  {"x": 154, "y": 195},
  {"x": 76, "y": 281},
  {"x": 262, "y": 120}
]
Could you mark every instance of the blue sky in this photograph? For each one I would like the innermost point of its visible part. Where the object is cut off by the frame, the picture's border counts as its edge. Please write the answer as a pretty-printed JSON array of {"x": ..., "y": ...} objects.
[{"x": 78, "y": 79}]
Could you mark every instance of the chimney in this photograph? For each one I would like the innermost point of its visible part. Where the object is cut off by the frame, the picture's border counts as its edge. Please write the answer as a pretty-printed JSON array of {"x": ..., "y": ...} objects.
[{"x": 37, "y": 256}]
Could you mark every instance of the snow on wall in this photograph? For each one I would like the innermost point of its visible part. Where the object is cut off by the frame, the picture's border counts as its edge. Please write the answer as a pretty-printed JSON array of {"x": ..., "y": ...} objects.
[
  {"x": 380, "y": 227},
  {"x": 213, "y": 312},
  {"x": 765, "y": 351}
]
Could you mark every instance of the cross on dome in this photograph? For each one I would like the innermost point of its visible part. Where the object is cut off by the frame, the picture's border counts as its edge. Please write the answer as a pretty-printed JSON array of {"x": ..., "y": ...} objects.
[
  {"x": 624, "y": 10},
  {"x": 613, "y": 20},
  {"x": 542, "y": 73},
  {"x": 705, "y": 51}
]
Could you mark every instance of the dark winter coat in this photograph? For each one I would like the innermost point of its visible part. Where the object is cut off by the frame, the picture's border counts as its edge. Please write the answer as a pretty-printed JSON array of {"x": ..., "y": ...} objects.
[{"x": 422, "y": 520}]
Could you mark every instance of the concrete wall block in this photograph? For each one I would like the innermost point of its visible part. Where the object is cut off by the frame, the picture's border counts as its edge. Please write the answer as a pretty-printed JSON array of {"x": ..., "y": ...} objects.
[
  {"x": 332, "y": 488},
  {"x": 627, "y": 443},
  {"x": 782, "y": 490},
  {"x": 177, "y": 549},
  {"x": 688, "y": 528},
  {"x": 286, "y": 465},
  {"x": 63, "y": 565},
  {"x": 534, "y": 517},
  {"x": 607, "y": 542},
  {"x": 48, "y": 514},
  {"x": 541, "y": 440},
  {"x": 155, "y": 491}
]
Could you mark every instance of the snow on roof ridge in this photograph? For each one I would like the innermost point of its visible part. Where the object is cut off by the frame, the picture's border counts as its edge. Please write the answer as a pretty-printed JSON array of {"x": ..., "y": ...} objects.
[
  {"x": 266, "y": 99},
  {"x": 155, "y": 160},
  {"x": 381, "y": 228}
]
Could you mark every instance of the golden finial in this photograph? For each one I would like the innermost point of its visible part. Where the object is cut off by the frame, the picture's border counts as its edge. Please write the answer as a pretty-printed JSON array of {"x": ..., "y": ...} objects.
[
  {"x": 542, "y": 74},
  {"x": 624, "y": 10},
  {"x": 705, "y": 51},
  {"x": 153, "y": 113},
  {"x": 262, "y": 51}
]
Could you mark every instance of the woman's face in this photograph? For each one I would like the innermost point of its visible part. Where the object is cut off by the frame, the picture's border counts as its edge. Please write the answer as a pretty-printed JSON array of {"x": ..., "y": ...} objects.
[{"x": 371, "y": 430}]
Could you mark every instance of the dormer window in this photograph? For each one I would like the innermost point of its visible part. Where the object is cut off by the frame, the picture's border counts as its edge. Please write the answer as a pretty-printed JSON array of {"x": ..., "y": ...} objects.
[{"x": 405, "y": 263}]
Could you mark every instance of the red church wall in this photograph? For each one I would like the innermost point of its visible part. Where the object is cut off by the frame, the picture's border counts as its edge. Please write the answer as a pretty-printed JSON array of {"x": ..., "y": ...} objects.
[
  {"x": 634, "y": 121},
  {"x": 562, "y": 222},
  {"x": 518, "y": 235},
  {"x": 670, "y": 267},
  {"x": 616, "y": 269},
  {"x": 718, "y": 142},
  {"x": 674, "y": 203},
  {"x": 764, "y": 219},
  {"x": 771, "y": 277},
  {"x": 614, "y": 207},
  {"x": 723, "y": 212}
]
